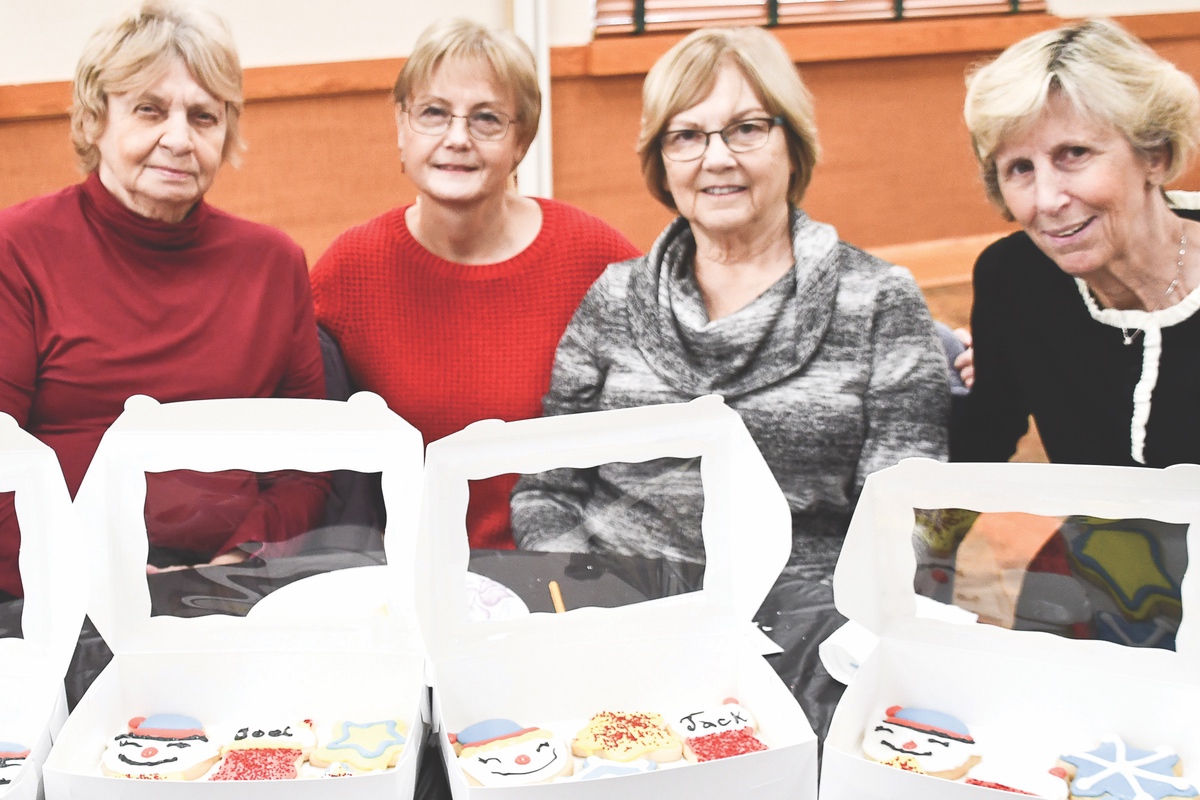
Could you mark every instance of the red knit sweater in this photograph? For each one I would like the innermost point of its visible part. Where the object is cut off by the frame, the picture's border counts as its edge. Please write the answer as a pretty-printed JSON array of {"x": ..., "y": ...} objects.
[
  {"x": 447, "y": 344},
  {"x": 98, "y": 303}
]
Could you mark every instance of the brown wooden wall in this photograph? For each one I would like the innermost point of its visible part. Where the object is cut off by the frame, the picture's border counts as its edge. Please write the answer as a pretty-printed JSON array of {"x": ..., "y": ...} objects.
[{"x": 896, "y": 168}]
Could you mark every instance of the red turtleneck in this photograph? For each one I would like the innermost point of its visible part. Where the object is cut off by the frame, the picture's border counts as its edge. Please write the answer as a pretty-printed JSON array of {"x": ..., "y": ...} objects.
[{"x": 98, "y": 303}]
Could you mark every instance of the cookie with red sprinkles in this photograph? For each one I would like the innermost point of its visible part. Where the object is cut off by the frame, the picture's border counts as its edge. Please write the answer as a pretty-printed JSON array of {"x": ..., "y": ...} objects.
[
  {"x": 721, "y": 745},
  {"x": 626, "y": 736},
  {"x": 259, "y": 764}
]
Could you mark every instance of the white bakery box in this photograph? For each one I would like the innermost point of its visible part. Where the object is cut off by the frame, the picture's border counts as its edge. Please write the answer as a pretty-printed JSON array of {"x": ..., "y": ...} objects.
[
  {"x": 1024, "y": 696},
  {"x": 32, "y": 667},
  {"x": 221, "y": 669},
  {"x": 555, "y": 671}
]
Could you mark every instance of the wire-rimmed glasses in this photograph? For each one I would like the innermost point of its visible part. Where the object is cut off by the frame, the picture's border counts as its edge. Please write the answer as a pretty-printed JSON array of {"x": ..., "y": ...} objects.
[
  {"x": 434, "y": 120},
  {"x": 740, "y": 137}
]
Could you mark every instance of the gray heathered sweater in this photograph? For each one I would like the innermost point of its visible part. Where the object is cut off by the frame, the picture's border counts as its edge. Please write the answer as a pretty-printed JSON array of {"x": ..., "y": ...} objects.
[{"x": 835, "y": 370}]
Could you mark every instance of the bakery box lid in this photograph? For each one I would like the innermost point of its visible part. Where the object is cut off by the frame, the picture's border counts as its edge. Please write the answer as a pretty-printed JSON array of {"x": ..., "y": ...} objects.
[
  {"x": 1055, "y": 539},
  {"x": 258, "y": 435},
  {"x": 51, "y": 557},
  {"x": 746, "y": 522}
]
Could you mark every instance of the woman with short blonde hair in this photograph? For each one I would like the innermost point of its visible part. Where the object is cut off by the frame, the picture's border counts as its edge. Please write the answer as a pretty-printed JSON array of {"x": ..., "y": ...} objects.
[
  {"x": 130, "y": 283},
  {"x": 827, "y": 353},
  {"x": 450, "y": 307},
  {"x": 1086, "y": 319}
]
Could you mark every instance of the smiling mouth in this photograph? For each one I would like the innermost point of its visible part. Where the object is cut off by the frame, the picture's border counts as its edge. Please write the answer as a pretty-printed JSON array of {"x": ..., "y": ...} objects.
[
  {"x": 902, "y": 751},
  {"x": 1068, "y": 232},
  {"x": 122, "y": 757},
  {"x": 721, "y": 191}
]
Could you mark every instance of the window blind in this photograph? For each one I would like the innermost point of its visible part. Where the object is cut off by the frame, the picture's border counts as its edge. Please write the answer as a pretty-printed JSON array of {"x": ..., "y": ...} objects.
[{"x": 639, "y": 16}]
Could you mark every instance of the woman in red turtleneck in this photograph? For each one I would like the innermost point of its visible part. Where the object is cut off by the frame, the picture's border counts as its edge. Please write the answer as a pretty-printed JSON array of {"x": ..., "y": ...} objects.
[{"x": 129, "y": 283}]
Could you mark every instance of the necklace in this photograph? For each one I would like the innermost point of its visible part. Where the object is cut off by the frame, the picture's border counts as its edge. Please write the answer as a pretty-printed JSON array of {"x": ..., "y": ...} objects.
[{"x": 1129, "y": 337}]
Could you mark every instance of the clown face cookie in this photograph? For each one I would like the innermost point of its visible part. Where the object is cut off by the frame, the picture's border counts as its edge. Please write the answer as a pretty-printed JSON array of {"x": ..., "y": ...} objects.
[
  {"x": 160, "y": 747},
  {"x": 921, "y": 740},
  {"x": 502, "y": 753},
  {"x": 12, "y": 758}
]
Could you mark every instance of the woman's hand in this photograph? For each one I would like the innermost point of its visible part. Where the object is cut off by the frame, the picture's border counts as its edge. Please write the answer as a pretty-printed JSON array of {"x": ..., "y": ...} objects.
[
  {"x": 222, "y": 560},
  {"x": 965, "y": 362}
]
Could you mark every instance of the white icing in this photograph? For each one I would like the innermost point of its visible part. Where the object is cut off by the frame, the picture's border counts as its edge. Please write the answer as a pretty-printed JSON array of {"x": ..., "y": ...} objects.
[
  {"x": 534, "y": 760},
  {"x": 728, "y": 717},
  {"x": 128, "y": 754},
  {"x": 932, "y": 752},
  {"x": 276, "y": 734}
]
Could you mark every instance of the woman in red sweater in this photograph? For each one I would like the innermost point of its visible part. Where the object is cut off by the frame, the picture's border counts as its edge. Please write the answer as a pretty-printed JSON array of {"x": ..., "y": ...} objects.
[
  {"x": 451, "y": 308},
  {"x": 130, "y": 283}
]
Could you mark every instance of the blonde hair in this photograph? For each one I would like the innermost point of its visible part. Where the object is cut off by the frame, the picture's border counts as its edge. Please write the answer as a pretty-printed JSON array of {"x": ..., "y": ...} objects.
[
  {"x": 460, "y": 40},
  {"x": 1104, "y": 72},
  {"x": 686, "y": 74},
  {"x": 136, "y": 49}
]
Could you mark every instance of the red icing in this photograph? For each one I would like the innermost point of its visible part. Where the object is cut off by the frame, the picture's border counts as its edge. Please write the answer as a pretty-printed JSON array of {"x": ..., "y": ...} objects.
[
  {"x": 725, "y": 744},
  {"x": 1059, "y": 772},
  {"x": 1000, "y": 786},
  {"x": 259, "y": 764}
]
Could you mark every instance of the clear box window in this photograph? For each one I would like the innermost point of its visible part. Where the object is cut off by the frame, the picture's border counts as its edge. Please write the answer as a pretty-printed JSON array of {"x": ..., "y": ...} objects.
[{"x": 1076, "y": 576}]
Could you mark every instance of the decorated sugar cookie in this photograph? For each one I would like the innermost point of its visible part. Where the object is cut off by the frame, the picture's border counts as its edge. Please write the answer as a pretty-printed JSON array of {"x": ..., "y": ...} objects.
[
  {"x": 1128, "y": 564},
  {"x": 266, "y": 752},
  {"x": 727, "y": 716},
  {"x": 1017, "y": 777},
  {"x": 920, "y": 740},
  {"x": 160, "y": 747},
  {"x": 363, "y": 745},
  {"x": 12, "y": 758},
  {"x": 499, "y": 752},
  {"x": 595, "y": 767},
  {"x": 712, "y": 733},
  {"x": 1116, "y": 771},
  {"x": 626, "y": 736}
]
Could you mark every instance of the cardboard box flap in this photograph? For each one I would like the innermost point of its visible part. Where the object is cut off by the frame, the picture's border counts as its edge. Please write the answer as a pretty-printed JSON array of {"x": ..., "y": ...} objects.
[
  {"x": 746, "y": 523},
  {"x": 259, "y": 435},
  {"x": 879, "y": 549},
  {"x": 51, "y": 557}
]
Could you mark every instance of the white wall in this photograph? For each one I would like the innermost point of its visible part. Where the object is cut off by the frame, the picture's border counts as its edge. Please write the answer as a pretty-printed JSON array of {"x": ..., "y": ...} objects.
[{"x": 40, "y": 40}]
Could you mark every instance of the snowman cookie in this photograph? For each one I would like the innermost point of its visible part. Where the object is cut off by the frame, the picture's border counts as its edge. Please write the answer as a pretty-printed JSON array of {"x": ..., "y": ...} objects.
[
  {"x": 170, "y": 747},
  {"x": 921, "y": 740},
  {"x": 499, "y": 752}
]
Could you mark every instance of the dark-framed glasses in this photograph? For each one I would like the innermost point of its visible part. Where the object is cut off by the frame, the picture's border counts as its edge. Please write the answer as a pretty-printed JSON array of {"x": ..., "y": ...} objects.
[
  {"x": 740, "y": 137},
  {"x": 434, "y": 120}
]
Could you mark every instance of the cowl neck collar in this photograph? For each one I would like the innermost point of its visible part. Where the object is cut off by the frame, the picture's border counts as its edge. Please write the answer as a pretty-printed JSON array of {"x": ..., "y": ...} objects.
[
  {"x": 761, "y": 344},
  {"x": 136, "y": 229}
]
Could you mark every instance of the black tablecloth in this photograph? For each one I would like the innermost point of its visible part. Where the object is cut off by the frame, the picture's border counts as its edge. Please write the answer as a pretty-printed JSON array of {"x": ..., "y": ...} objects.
[{"x": 797, "y": 614}]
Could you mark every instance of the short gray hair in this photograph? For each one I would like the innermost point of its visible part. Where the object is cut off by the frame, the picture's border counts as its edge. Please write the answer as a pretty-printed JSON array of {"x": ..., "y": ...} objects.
[{"x": 137, "y": 48}]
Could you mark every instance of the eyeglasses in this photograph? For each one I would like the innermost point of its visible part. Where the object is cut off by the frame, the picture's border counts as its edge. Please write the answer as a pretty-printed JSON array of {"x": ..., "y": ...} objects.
[
  {"x": 433, "y": 120},
  {"x": 740, "y": 137}
]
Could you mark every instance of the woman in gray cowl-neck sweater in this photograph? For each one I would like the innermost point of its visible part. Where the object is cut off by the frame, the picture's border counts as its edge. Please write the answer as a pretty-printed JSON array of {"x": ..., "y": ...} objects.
[{"x": 827, "y": 353}]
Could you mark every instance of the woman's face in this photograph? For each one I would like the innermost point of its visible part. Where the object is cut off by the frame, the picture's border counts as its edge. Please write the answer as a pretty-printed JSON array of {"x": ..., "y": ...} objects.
[
  {"x": 1078, "y": 188},
  {"x": 453, "y": 167},
  {"x": 161, "y": 145},
  {"x": 723, "y": 193}
]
